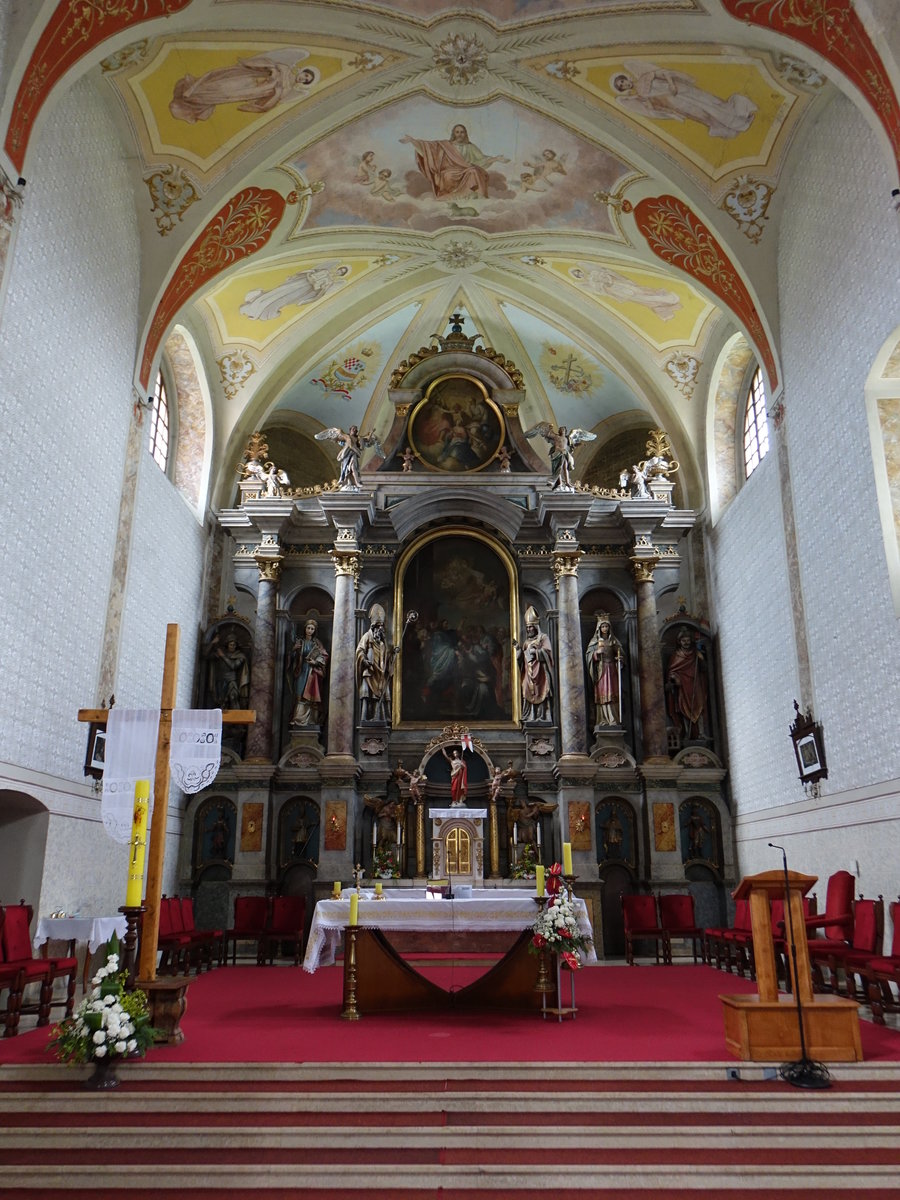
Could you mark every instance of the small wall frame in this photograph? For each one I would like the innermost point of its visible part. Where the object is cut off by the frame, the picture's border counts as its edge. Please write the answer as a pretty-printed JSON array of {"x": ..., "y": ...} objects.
[{"x": 809, "y": 746}]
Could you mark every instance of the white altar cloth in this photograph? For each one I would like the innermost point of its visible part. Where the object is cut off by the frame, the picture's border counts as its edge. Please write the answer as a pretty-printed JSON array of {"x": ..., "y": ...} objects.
[
  {"x": 492, "y": 909},
  {"x": 94, "y": 930}
]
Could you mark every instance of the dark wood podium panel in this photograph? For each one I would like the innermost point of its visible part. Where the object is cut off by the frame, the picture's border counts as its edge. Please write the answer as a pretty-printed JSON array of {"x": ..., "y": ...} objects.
[{"x": 386, "y": 982}]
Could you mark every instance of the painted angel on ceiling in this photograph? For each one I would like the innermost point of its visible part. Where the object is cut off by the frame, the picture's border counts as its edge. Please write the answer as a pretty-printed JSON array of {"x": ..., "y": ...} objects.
[
  {"x": 562, "y": 443},
  {"x": 351, "y": 446}
]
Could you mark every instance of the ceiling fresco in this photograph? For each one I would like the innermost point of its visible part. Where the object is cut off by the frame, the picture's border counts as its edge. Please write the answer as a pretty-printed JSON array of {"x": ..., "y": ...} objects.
[{"x": 596, "y": 186}]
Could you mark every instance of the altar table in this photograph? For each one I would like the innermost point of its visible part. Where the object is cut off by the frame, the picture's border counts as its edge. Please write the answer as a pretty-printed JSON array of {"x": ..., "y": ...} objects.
[
  {"x": 94, "y": 931},
  {"x": 487, "y": 909}
]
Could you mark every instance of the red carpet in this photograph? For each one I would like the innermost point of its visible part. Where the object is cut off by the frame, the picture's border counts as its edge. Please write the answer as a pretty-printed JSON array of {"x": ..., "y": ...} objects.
[{"x": 283, "y": 1015}]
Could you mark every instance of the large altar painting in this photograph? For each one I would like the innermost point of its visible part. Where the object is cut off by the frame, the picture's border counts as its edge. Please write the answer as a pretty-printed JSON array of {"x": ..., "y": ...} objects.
[{"x": 456, "y": 665}]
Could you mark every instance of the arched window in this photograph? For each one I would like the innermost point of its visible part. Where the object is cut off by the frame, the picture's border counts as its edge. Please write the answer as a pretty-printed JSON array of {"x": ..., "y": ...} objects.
[
  {"x": 756, "y": 425},
  {"x": 158, "y": 444}
]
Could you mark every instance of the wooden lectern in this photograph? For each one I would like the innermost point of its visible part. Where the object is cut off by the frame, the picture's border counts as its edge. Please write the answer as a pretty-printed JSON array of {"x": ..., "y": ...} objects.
[{"x": 765, "y": 1027}]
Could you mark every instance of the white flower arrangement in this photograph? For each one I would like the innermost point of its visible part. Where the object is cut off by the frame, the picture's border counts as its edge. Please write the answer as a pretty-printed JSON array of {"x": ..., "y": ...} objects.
[
  {"x": 556, "y": 930},
  {"x": 110, "y": 1023}
]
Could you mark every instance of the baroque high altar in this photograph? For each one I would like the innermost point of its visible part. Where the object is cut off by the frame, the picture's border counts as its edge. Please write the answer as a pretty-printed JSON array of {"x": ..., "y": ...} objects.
[{"x": 453, "y": 626}]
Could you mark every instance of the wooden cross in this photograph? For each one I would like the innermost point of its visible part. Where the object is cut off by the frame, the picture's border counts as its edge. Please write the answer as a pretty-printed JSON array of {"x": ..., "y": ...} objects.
[{"x": 156, "y": 848}]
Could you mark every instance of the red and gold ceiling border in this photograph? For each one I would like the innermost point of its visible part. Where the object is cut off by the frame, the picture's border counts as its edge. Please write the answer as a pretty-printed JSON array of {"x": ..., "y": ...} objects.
[
  {"x": 239, "y": 229},
  {"x": 677, "y": 235},
  {"x": 833, "y": 29},
  {"x": 74, "y": 30}
]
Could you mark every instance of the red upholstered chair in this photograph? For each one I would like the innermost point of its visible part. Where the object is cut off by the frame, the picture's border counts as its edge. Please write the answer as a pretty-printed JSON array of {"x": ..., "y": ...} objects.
[
  {"x": 208, "y": 944},
  {"x": 285, "y": 929},
  {"x": 250, "y": 920},
  {"x": 881, "y": 976},
  {"x": 676, "y": 914},
  {"x": 172, "y": 942},
  {"x": 12, "y": 981},
  {"x": 642, "y": 924},
  {"x": 17, "y": 954},
  {"x": 867, "y": 942},
  {"x": 728, "y": 942},
  {"x": 836, "y": 922}
]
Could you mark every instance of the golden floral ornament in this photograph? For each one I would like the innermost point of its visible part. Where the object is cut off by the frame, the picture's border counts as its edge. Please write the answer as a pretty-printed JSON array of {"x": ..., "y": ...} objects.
[
  {"x": 235, "y": 368},
  {"x": 458, "y": 255},
  {"x": 747, "y": 202},
  {"x": 346, "y": 564},
  {"x": 643, "y": 567},
  {"x": 799, "y": 73},
  {"x": 566, "y": 565},
  {"x": 682, "y": 369},
  {"x": 172, "y": 192},
  {"x": 461, "y": 58}
]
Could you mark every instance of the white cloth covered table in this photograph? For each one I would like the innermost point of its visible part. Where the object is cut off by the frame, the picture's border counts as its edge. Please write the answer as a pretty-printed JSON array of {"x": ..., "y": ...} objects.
[
  {"x": 491, "y": 909},
  {"x": 93, "y": 930}
]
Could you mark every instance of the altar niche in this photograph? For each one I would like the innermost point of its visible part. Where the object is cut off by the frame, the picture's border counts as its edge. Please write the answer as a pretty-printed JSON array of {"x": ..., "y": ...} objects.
[{"x": 457, "y": 844}]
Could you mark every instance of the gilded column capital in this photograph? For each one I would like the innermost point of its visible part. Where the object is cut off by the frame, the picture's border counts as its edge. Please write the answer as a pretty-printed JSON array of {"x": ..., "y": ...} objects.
[
  {"x": 566, "y": 564},
  {"x": 346, "y": 563},
  {"x": 269, "y": 567},
  {"x": 643, "y": 567}
]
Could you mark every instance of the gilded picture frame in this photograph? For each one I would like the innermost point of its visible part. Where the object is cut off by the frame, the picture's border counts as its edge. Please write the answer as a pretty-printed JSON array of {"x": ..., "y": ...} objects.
[
  {"x": 457, "y": 663},
  {"x": 456, "y": 427}
]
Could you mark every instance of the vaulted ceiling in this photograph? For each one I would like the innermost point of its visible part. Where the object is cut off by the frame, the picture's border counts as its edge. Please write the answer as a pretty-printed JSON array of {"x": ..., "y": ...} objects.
[{"x": 596, "y": 186}]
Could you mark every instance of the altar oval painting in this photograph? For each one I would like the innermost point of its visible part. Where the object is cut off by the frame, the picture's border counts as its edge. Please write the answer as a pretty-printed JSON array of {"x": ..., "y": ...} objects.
[
  {"x": 456, "y": 663},
  {"x": 456, "y": 427}
]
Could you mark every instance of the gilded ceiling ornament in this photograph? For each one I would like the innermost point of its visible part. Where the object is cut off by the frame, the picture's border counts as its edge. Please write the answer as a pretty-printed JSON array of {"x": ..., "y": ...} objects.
[
  {"x": 798, "y": 73},
  {"x": 562, "y": 69},
  {"x": 747, "y": 203},
  {"x": 459, "y": 254},
  {"x": 619, "y": 203},
  {"x": 235, "y": 368},
  {"x": 133, "y": 53},
  {"x": 677, "y": 235},
  {"x": 682, "y": 369},
  {"x": 172, "y": 192},
  {"x": 461, "y": 58},
  {"x": 367, "y": 60}
]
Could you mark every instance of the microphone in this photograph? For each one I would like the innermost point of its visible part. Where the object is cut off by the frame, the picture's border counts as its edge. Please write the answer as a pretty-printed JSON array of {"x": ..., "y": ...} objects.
[{"x": 775, "y": 846}]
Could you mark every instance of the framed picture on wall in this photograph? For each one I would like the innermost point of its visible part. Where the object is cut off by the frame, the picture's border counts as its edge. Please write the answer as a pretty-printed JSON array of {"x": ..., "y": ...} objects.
[
  {"x": 809, "y": 746},
  {"x": 95, "y": 755}
]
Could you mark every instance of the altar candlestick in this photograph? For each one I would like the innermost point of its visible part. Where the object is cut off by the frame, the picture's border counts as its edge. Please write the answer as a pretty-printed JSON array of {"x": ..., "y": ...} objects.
[
  {"x": 539, "y": 879},
  {"x": 354, "y": 908},
  {"x": 134, "y": 892},
  {"x": 567, "y": 858}
]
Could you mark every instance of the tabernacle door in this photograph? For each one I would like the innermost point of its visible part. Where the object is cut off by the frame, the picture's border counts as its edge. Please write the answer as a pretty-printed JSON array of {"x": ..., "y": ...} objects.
[{"x": 457, "y": 844}]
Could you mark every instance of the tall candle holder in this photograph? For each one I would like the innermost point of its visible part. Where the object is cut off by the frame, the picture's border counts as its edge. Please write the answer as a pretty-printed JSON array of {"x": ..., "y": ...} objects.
[
  {"x": 350, "y": 1011},
  {"x": 357, "y": 875},
  {"x": 570, "y": 883},
  {"x": 134, "y": 914}
]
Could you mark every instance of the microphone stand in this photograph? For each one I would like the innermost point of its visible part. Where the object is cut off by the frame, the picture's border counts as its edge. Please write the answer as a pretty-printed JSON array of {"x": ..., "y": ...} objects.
[{"x": 806, "y": 1072}]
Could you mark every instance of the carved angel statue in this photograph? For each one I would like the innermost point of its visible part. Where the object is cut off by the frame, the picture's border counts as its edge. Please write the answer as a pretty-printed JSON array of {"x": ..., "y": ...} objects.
[
  {"x": 562, "y": 442},
  {"x": 351, "y": 446}
]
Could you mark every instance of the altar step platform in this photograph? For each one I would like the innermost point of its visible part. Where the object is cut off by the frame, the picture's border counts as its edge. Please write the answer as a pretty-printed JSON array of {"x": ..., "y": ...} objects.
[
  {"x": 670, "y": 1131},
  {"x": 272, "y": 1095}
]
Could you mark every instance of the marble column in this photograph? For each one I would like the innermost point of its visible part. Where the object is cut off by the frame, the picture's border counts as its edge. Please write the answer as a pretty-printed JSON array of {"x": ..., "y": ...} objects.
[
  {"x": 570, "y": 701},
  {"x": 262, "y": 674},
  {"x": 341, "y": 685},
  {"x": 653, "y": 699}
]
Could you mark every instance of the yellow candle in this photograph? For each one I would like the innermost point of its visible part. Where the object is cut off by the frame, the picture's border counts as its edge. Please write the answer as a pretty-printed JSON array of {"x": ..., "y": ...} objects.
[
  {"x": 134, "y": 892},
  {"x": 567, "y": 859},
  {"x": 336, "y": 890},
  {"x": 354, "y": 908},
  {"x": 378, "y": 888},
  {"x": 539, "y": 879}
]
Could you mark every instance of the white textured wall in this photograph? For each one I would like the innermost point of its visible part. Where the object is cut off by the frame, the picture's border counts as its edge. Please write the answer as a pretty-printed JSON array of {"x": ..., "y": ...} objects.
[
  {"x": 67, "y": 345},
  {"x": 839, "y": 288}
]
